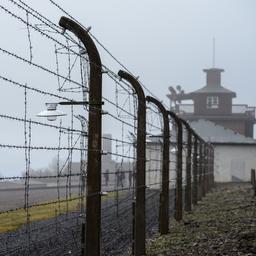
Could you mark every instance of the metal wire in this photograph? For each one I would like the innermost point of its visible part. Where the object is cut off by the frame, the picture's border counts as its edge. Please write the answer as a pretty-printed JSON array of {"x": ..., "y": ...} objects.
[{"x": 50, "y": 214}]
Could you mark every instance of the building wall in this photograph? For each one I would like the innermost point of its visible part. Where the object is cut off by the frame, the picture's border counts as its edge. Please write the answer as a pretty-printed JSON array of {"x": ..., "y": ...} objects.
[
  {"x": 249, "y": 126},
  {"x": 154, "y": 166},
  {"x": 225, "y": 104},
  {"x": 234, "y": 162}
]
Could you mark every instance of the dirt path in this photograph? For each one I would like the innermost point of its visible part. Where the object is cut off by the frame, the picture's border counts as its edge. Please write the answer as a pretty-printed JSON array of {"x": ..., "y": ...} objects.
[{"x": 224, "y": 223}]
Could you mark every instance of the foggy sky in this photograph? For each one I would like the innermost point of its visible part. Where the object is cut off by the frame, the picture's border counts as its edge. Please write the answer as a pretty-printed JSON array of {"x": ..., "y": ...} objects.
[
  {"x": 165, "y": 42},
  {"x": 169, "y": 42}
]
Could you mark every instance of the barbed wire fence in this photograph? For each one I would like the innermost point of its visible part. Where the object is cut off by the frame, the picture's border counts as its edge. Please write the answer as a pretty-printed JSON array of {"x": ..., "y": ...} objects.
[
  {"x": 154, "y": 152},
  {"x": 43, "y": 211},
  {"x": 47, "y": 218}
]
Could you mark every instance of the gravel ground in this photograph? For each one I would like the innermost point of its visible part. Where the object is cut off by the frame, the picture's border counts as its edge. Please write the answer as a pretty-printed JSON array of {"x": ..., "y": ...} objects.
[
  {"x": 223, "y": 223},
  {"x": 58, "y": 236}
]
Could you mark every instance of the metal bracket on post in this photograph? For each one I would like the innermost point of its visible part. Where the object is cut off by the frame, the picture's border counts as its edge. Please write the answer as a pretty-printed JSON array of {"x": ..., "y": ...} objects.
[
  {"x": 164, "y": 202},
  {"x": 93, "y": 197},
  {"x": 178, "y": 193},
  {"x": 140, "y": 222}
]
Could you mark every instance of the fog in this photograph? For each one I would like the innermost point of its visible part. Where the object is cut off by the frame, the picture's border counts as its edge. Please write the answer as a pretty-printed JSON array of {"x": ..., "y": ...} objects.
[{"x": 165, "y": 43}]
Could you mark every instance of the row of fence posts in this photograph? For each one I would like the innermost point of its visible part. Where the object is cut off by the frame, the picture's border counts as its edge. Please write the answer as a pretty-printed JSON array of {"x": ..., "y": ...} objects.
[{"x": 199, "y": 165}]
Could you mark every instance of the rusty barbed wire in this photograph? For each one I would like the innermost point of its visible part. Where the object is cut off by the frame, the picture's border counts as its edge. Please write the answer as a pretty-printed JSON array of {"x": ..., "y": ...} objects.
[{"x": 65, "y": 189}]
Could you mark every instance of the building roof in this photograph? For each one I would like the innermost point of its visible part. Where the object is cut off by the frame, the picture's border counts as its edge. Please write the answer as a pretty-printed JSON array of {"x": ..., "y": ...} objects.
[
  {"x": 214, "y": 89},
  {"x": 214, "y": 133},
  {"x": 213, "y": 83}
]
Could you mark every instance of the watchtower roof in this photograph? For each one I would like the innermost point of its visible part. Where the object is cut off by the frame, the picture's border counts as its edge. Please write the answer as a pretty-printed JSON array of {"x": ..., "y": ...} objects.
[{"x": 213, "y": 83}]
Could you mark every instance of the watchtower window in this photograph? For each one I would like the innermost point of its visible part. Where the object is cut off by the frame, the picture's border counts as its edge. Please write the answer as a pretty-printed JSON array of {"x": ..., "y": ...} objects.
[{"x": 212, "y": 102}]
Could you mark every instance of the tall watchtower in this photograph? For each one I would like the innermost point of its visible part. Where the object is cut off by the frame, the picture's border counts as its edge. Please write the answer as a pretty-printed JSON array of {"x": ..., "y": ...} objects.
[{"x": 213, "y": 102}]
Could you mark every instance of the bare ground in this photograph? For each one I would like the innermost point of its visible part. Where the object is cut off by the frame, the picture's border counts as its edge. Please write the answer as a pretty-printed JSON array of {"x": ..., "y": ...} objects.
[{"x": 223, "y": 223}]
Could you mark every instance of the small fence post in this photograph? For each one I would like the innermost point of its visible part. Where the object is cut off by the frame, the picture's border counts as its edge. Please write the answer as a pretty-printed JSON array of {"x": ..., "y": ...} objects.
[
  {"x": 210, "y": 169},
  {"x": 179, "y": 199},
  {"x": 195, "y": 173},
  {"x": 200, "y": 169},
  {"x": 188, "y": 205},
  {"x": 140, "y": 222},
  {"x": 207, "y": 169},
  {"x": 204, "y": 170},
  {"x": 164, "y": 196},
  {"x": 133, "y": 228},
  {"x": 212, "y": 166},
  {"x": 178, "y": 191},
  {"x": 253, "y": 181},
  {"x": 83, "y": 240}
]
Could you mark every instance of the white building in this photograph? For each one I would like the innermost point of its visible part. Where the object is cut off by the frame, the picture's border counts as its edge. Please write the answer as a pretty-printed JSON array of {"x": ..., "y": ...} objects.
[{"x": 234, "y": 154}]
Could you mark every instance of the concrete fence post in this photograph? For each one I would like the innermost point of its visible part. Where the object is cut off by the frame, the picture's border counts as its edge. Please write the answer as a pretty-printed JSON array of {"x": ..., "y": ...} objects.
[
  {"x": 164, "y": 197},
  {"x": 200, "y": 169},
  {"x": 188, "y": 200},
  {"x": 178, "y": 191},
  {"x": 140, "y": 216},
  {"x": 93, "y": 195}
]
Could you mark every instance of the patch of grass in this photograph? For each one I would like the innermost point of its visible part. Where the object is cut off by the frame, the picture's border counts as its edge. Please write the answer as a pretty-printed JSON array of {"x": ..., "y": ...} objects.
[{"x": 12, "y": 220}]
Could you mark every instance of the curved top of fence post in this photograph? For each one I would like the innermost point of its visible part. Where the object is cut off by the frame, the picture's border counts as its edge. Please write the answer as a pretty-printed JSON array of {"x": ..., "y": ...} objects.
[
  {"x": 157, "y": 103},
  {"x": 196, "y": 136},
  {"x": 135, "y": 84},
  {"x": 164, "y": 203},
  {"x": 162, "y": 110},
  {"x": 140, "y": 223},
  {"x": 194, "y": 133},
  {"x": 83, "y": 35},
  {"x": 175, "y": 118},
  {"x": 93, "y": 203},
  {"x": 187, "y": 126},
  {"x": 178, "y": 122}
]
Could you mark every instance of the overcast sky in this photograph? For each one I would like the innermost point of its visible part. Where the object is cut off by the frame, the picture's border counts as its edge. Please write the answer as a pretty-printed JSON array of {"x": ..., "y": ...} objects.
[
  {"x": 169, "y": 42},
  {"x": 164, "y": 42}
]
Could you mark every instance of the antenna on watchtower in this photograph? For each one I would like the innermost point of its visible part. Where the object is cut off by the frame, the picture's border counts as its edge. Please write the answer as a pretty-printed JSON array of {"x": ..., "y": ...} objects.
[{"x": 213, "y": 52}]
